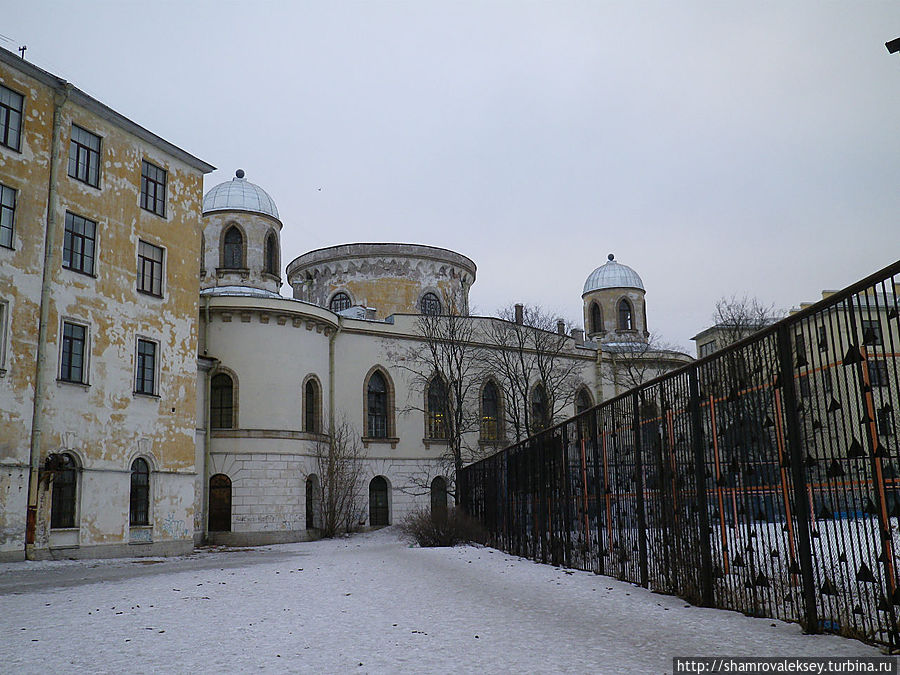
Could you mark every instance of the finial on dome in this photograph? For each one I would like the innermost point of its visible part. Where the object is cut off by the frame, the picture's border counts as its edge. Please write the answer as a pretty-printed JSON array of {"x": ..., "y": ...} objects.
[
  {"x": 239, "y": 173},
  {"x": 611, "y": 257}
]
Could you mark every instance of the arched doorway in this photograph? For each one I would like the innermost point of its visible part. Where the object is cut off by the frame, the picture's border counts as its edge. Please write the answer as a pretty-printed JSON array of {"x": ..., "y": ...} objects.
[
  {"x": 439, "y": 497},
  {"x": 312, "y": 501},
  {"x": 220, "y": 503},
  {"x": 378, "y": 502}
]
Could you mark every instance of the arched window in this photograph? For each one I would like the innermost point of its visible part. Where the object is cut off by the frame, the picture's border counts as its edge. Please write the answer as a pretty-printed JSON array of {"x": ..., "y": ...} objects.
[
  {"x": 625, "y": 317},
  {"x": 379, "y": 511},
  {"x": 439, "y": 497},
  {"x": 339, "y": 302},
  {"x": 596, "y": 318},
  {"x": 437, "y": 409},
  {"x": 490, "y": 412},
  {"x": 62, "y": 501},
  {"x": 139, "y": 513},
  {"x": 272, "y": 254},
  {"x": 377, "y": 406},
  {"x": 582, "y": 401},
  {"x": 539, "y": 417},
  {"x": 221, "y": 402},
  {"x": 312, "y": 415},
  {"x": 220, "y": 503},
  {"x": 233, "y": 253},
  {"x": 429, "y": 304}
]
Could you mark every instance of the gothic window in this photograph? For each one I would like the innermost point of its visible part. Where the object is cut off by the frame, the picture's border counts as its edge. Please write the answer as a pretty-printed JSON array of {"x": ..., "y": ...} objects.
[
  {"x": 539, "y": 415},
  {"x": 62, "y": 501},
  {"x": 596, "y": 318},
  {"x": 311, "y": 412},
  {"x": 379, "y": 512},
  {"x": 429, "y": 304},
  {"x": 233, "y": 253},
  {"x": 220, "y": 503},
  {"x": 139, "y": 513},
  {"x": 377, "y": 406},
  {"x": 490, "y": 412},
  {"x": 339, "y": 302},
  {"x": 437, "y": 408},
  {"x": 312, "y": 501},
  {"x": 271, "y": 254},
  {"x": 626, "y": 321},
  {"x": 582, "y": 401},
  {"x": 221, "y": 402}
]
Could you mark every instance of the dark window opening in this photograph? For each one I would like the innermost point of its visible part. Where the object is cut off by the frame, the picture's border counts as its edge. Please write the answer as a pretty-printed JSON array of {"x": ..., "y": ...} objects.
[
  {"x": 271, "y": 255},
  {"x": 379, "y": 512},
  {"x": 376, "y": 399},
  {"x": 311, "y": 412},
  {"x": 78, "y": 244},
  {"x": 150, "y": 269},
  {"x": 10, "y": 118},
  {"x": 339, "y": 302},
  {"x": 153, "y": 188},
  {"x": 539, "y": 417},
  {"x": 72, "y": 365},
  {"x": 84, "y": 156},
  {"x": 139, "y": 513},
  {"x": 234, "y": 249},
  {"x": 145, "y": 380},
  {"x": 221, "y": 402},
  {"x": 596, "y": 318},
  {"x": 62, "y": 500},
  {"x": 625, "y": 318},
  {"x": 439, "y": 497},
  {"x": 490, "y": 412},
  {"x": 220, "y": 503},
  {"x": 7, "y": 215},
  {"x": 429, "y": 304}
]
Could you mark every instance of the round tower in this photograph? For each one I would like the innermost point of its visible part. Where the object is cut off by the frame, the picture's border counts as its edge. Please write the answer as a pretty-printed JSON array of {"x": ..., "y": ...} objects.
[
  {"x": 614, "y": 306},
  {"x": 241, "y": 237}
]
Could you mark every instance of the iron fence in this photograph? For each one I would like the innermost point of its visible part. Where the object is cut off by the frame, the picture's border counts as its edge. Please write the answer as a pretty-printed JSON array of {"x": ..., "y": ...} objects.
[{"x": 762, "y": 478}]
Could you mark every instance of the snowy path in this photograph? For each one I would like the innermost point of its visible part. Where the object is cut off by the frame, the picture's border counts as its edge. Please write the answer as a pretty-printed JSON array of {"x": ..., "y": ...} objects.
[{"x": 367, "y": 604}]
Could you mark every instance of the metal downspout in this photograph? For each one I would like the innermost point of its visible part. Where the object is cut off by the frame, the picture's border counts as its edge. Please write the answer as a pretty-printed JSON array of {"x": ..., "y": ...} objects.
[
  {"x": 331, "y": 339},
  {"x": 59, "y": 99},
  {"x": 207, "y": 386}
]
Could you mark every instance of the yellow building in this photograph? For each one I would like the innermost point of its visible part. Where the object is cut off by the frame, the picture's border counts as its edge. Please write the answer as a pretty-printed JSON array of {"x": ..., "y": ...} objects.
[{"x": 99, "y": 241}]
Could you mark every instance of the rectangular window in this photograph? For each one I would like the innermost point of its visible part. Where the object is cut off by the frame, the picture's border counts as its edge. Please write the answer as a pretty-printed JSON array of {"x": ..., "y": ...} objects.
[
  {"x": 871, "y": 329},
  {"x": 72, "y": 366},
  {"x": 800, "y": 348},
  {"x": 153, "y": 188},
  {"x": 878, "y": 372},
  {"x": 150, "y": 269},
  {"x": 826, "y": 381},
  {"x": 78, "y": 245},
  {"x": 804, "y": 386},
  {"x": 7, "y": 215},
  {"x": 145, "y": 380},
  {"x": 4, "y": 312},
  {"x": 10, "y": 118},
  {"x": 823, "y": 339},
  {"x": 84, "y": 156},
  {"x": 707, "y": 348}
]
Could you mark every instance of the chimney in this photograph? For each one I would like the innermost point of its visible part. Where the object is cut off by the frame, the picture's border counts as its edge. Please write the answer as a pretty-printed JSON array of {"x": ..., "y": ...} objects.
[
  {"x": 578, "y": 334},
  {"x": 560, "y": 326},
  {"x": 520, "y": 313}
]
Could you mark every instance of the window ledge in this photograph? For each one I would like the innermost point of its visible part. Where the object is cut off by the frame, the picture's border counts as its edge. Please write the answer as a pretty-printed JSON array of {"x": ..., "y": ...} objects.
[
  {"x": 144, "y": 394},
  {"x": 8, "y": 248},
  {"x": 84, "y": 182},
  {"x": 243, "y": 271},
  {"x": 157, "y": 296},
  {"x": 492, "y": 441},
  {"x": 370, "y": 439},
  {"x": 435, "y": 441},
  {"x": 271, "y": 277},
  {"x": 81, "y": 272},
  {"x": 83, "y": 385},
  {"x": 158, "y": 215}
]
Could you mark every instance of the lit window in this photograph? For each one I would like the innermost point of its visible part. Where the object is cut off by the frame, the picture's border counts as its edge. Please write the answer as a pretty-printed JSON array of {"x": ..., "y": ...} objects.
[
  {"x": 429, "y": 304},
  {"x": 145, "y": 380},
  {"x": 10, "y": 118},
  {"x": 221, "y": 403},
  {"x": 72, "y": 367},
  {"x": 150, "y": 269},
  {"x": 84, "y": 156},
  {"x": 437, "y": 409},
  {"x": 339, "y": 302},
  {"x": 62, "y": 498},
  {"x": 490, "y": 413},
  {"x": 7, "y": 215},
  {"x": 79, "y": 244},
  {"x": 153, "y": 188},
  {"x": 139, "y": 513},
  {"x": 234, "y": 249}
]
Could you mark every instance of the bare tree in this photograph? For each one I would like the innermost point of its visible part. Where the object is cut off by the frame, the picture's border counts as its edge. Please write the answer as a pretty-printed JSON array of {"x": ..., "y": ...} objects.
[
  {"x": 444, "y": 365},
  {"x": 338, "y": 460},
  {"x": 737, "y": 318},
  {"x": 630, "y": 363},
  {"x": 530, "y": 354}
]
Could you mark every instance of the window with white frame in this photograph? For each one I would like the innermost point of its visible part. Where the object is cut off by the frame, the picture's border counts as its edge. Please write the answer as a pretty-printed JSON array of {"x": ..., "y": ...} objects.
[
  {"x": 145, "y": 377},
  {"x": 73, "y": 361}
]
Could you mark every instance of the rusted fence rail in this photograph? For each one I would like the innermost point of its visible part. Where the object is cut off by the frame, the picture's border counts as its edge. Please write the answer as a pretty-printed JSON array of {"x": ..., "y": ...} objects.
[{"x": 763, "y": 478}]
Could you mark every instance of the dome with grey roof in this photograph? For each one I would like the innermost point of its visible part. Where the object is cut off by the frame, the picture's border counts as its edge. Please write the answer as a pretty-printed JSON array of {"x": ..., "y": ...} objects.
[
  {"x": 612, "y": 275},
  {"x": 239, "y": 194}
]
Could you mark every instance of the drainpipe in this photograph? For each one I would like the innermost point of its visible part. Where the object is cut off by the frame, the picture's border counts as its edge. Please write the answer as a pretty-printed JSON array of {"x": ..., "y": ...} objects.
[
  {"x": 37, "y": 418},
  {"x": 207, "y": 422},
  {"x": 331, "y": 339}
]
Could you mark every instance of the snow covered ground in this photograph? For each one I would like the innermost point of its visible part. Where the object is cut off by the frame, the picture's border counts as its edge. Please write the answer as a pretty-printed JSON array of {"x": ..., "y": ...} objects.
[{"x": 364, "y": 604}]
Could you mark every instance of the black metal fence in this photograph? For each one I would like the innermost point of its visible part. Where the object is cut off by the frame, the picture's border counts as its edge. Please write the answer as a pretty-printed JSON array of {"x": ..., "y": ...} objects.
[{"x": 763, "y": 478}]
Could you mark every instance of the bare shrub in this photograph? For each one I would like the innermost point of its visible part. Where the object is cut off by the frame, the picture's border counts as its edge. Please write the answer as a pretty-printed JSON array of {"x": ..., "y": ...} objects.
[{"x": 429, "y": 529}]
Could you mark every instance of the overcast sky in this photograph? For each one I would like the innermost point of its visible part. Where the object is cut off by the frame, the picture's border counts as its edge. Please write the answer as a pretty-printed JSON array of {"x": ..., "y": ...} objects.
[{"x": 718, "y": 148}]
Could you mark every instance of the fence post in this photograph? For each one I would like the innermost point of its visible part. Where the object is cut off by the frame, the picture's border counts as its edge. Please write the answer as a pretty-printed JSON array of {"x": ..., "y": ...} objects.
[
  {"x": 706, "y": 577},
  {"x": 639, "y": 489},
  {"x": 798, "y": 478}
]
